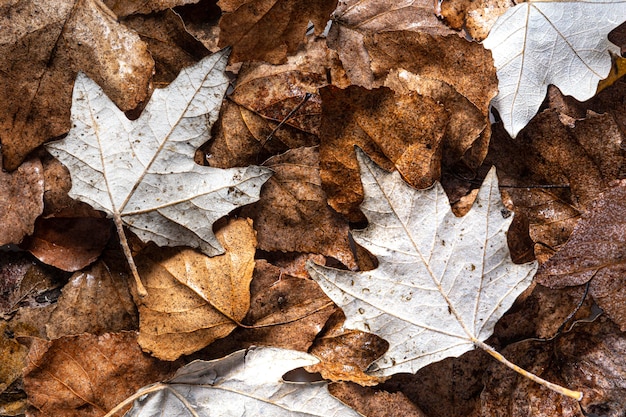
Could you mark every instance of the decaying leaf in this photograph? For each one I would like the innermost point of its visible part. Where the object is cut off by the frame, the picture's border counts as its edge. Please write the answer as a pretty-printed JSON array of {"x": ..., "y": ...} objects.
[
  {"x": 142, "y": 172},
  {"x": 292, "y": 214},
  {"x": 595, "y": 252},
  {"x": 193, "y": 299},
  {"x": 550, "y": 42},
  {"x": 476, "y": 17},
  {"x": 86, "y": 375},
  {"x": 442, "y": 282},
  {"x": 401, "y": 131},
  {"x": 269, "y": 30},
  {"x": 247, "y": 382},
  {"x": 42, "y": 47},
  {"x": 22, "y": 201}
]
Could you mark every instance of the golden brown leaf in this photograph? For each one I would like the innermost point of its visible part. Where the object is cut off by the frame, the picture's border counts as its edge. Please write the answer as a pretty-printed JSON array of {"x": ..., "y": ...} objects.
[
  {"x": 476, "y": 17},
  {"x": 269, "y": 30},
  {"x": 13, "y": 357},
  {"x": 87, "y": 375},
  {"x": 401, "y": 131},
  {"x": 193, "y": 299},
  {"x": 22, "y": 201},
  {"x": 292, "y": 214},
  {"x": 127, "y": 7},
  {"x": 41, "y": 56}
]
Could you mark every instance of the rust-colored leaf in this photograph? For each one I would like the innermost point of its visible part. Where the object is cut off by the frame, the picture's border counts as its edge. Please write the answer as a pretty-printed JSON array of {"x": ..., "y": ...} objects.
[
  {"x": 40, "y": 57},
  {"x": 21, "y": 202},
  {"x": 401, "y": 131},
  {"x": 292, "y": 214},
  {"x": 269, "y": 30},
  {"x": 193, "y": 299},
  {"x": 87, "y": 375},
  {"x": 596, "y": 251}
]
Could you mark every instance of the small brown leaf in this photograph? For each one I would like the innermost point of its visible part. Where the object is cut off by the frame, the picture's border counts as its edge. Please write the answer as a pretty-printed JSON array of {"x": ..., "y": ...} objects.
[
  {"x": 401, "y": 131},
  {"x": 269, "y": 30},
  {"x": 476, "y": 17},
  {"x": 292, "y": 214},
  {"x": 42, "y": 57},
  {"x": 193, "y": 299},
  {"x": 22, "y": 201},
  {"x": 87, "y": 375},
  {"x": 377, "y": 403}
]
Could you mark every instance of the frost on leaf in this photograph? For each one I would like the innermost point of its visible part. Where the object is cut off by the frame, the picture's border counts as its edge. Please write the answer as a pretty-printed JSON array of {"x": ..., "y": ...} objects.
[
  {"x": 245, "y": 383},
  {"x": 143, "y": 171},
  {"x": 538, "y": 43},
  {"x": 442, "y": 282}
]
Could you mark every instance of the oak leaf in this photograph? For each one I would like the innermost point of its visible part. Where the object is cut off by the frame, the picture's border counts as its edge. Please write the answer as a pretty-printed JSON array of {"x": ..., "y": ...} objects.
[
  {"x": 42, "y": 47},
  {"x": 442, "y": 282},
  {"x": 192, "y": 299},
  {"x": 538, "y": 43},
  {"x": 142, "y": 172},
  {"x": 245, "y": 383}
]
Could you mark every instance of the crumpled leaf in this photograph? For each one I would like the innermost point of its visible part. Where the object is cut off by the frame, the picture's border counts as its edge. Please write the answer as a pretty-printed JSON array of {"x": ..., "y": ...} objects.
[
  {"x": 476, "y": 17},
  {"x": 292, "y": 215},
  {"x": 86, "y": 375},
  {"x": 596, "y": 252},
  {"x": 22, "y": 201},
  {"x": 192, "y": 299},
  {"x": 442, "y": 282},
  {"x": 142, "y": 172},
  {"x": 269, "y": 30},
  {"x": 42, "y": 47},
  {"x": 561, "y": 43},
  {"x": 245, "y": 383}
]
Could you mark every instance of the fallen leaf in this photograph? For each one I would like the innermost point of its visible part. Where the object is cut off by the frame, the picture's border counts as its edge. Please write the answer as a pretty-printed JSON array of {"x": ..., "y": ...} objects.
[
  {"x": 142, "y": 172},
  {"x": 95, "y": 301},
  {"x": 245, "y": 382},
  {"x": 13, "y": 357},
  {"x": 128, "y": 7},
  {"x": 269, "y": 30},
  {"x": 169, "y": 43},
  {"x": 591, "y": 357},
  {"x": 87, "y": 375},
  {"x": 68, "y": 243},
  {"x": 423, "y": 249},
  {"x": 561, "y": 43},
  {"x": 373, "y": 403},
  {"x": 44, "y": 45},
  {"x": 192, "y": 299},
  {"x": 401, "y": 131},
  {"x": 595, "y": 252},
  {"x": 475, "y": 17},
  {"x": 22, "y": 201},
  {"x": 354, "y": 19},
  {"x": 292, "y": 215}
]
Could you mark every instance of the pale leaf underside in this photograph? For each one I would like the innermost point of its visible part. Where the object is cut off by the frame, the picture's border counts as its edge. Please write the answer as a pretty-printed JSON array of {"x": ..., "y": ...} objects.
[
  {"x": 245, "y": 383},
  {"x": 143, "y": 171},
  {"x": 442, "y": 281},
  {"x": 538, "y": 43}
]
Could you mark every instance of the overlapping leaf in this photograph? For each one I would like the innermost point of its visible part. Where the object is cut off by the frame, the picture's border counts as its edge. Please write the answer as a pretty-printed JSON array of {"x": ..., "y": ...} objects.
[
  {"x": 538, "y": 43},
  {"x": 442, "y": 282}
]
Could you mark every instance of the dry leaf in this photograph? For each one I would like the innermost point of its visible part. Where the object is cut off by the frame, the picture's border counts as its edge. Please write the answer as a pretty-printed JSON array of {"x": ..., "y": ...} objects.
[
  {"x": 13, "y": 357},
  {"x": 269, "y": 30},
  {"x": 431, "y": 264},
  {"x": 475, "y": 17},
  {"x": 87, "y": 375},
  {"x": 193, "y": 299},
  {"x": 95, "y": 301},
  {"x": 550, "y": 42},
  {"x": 595, "y": 252},
  {"x": 243, "y": 383},
  {"x": 43, "y": 45},
  {"x": 22, "y": 201},
  {"x": 375, "y": 403},
  {"x": 406, "y": 129},
  {"x": 292, "y": 214},
  {"x": 127, "y": 7}
]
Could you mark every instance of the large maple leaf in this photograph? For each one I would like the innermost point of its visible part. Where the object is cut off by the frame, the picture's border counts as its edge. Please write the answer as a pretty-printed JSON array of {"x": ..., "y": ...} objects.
[
  {"x": 142, "y": 172},
  {"x": 442, "y": 282}
]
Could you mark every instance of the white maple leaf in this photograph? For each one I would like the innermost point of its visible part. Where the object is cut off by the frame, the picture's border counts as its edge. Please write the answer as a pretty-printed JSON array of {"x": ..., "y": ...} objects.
[
  {"x": 245, "y": 383},
  {"x": 142, "y": 172},
  {"x": 538, "y": 43}
]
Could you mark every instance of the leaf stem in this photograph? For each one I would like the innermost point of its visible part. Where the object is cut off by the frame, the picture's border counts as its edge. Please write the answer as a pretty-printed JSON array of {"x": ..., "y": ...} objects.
[
  {"x": 577, "y": 395},
  {"x": 152, "y": 388},
  {"x": 141, "y": 290}
]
